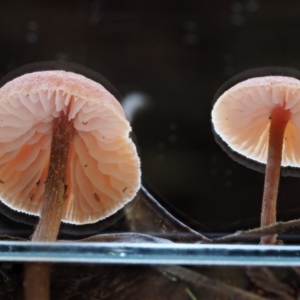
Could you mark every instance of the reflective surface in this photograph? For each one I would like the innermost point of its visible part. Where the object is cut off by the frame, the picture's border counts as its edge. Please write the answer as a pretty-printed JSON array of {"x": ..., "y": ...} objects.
[{"x": 150, "y": 253}]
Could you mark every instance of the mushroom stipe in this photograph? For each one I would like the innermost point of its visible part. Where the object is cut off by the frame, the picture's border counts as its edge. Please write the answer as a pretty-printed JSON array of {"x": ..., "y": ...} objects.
[
  {"x": 55, "y": 186},
  {"x": 256, "y": 115},
  {"x": 278, "y": 122}
]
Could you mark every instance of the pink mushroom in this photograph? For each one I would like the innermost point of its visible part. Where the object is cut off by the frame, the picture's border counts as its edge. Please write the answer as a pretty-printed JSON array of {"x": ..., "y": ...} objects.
[
  {"x": 65, "y": 151},
  {"x": 257, "y": 115}
]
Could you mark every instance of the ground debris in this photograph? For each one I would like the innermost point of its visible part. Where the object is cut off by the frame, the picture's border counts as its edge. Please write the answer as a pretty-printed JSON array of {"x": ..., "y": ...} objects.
[{"x": 267, "y": 284}]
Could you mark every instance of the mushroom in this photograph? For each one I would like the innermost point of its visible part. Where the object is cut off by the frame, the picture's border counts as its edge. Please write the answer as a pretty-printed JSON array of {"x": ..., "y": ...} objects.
[
  {"x": 65, "y": 150},
  {"x": 256, "y": 114}
]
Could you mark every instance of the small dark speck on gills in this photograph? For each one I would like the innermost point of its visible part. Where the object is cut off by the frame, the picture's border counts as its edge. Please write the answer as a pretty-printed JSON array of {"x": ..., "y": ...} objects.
[{"x": 97, "y": 198}]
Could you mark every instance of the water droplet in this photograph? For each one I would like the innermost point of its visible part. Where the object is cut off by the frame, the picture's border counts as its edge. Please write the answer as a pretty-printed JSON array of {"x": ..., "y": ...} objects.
[
  {"x": 228, "y": 184},
  {"x": 61, "y": 56},
  {"x": 95, "y": 17},
  {"x": 191, "y": 39},
  {"x": 228, "y": 58},
  {"x": 229, "y": 70},
  {"x": 10, "y": 67},
  {"x": 252, "y": 5},
  {"x": 236, "y": 7},
  {"x": 96, "y": 14},
  {"x": 237, "y": 20},
  {"x": 172, "y": 138},
  {"x": 135, "y": 102},
  {"x": 32, "y": 26},
  {"x": 190, "y": 26},
  {"x": 160, "y": 157},
  {"x": 214, "y": 159},
  {"x": 31, "y": 37},
  {"x": 173, "y": 126},
  {"x": 214, "y": 171},
  {"x": 161, "y": 146},
  {"x": 228, "y": 172}
]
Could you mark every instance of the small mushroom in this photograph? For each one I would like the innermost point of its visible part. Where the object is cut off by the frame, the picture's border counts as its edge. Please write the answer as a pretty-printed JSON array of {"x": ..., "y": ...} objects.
[
  {"x": 257, "y": 115},
  {"x": 54, "y": 161}
]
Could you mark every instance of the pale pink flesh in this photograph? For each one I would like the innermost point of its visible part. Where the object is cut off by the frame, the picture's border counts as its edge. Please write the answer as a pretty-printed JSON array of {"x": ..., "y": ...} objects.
[{"x": 103, "y": 168}]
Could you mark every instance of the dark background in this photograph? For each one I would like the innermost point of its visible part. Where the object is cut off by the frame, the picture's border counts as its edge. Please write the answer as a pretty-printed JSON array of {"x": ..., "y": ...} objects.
[{"x": 176, "y": 53}]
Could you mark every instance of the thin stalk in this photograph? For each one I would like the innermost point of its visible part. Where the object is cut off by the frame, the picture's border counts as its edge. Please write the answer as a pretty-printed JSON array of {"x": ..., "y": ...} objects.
[
  {"x": 279, "y": 120},
  {"x": 37, "y": 275},
  {"x": 55, "y": 187},
  {"x": 37, "y": 281}
]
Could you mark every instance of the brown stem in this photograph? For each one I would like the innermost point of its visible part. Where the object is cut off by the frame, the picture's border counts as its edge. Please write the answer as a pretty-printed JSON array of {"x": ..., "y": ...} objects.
[
  {"x": 55, "y": 189},
  {"x": 37, "y": 275},
  {"x": 199, "y": 282},
  {"x": 37, "y": 281},
  {"x": 279, "y": 120}
]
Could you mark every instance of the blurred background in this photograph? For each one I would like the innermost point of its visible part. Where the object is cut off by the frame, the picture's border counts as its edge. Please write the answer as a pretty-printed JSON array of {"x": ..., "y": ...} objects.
[{"x": 169, "y": 58}]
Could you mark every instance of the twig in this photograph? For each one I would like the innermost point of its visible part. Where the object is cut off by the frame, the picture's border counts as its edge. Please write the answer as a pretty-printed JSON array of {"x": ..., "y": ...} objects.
[
  {"x": 254, "y": 234},
  {"x": 200, "y": 281},
  {"x": 12, "y": 238},
  {"x": 265, "y": 279},
  {"x": 239, "y": 236},
  {"x": 191, "y": 295}
]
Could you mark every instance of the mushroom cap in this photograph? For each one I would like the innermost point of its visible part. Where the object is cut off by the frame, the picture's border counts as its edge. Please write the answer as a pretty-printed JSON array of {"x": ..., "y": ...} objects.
[
  {"x": 103, "y": 167},
  {"x": 241, "y": 117}
]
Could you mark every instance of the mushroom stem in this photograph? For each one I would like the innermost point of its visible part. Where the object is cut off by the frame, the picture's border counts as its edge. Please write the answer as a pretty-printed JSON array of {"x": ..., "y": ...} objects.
[
  {"x": 37, "y": 281},
  {"x": 55, "y": 188},
  {"x": 279, "y": 120},
  {"x": 37, "y": 275}
]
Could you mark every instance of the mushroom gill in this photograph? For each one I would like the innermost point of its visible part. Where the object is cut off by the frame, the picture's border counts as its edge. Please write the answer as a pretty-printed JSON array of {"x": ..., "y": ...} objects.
[
  {"x": 244, "y": 123},
  {"x": 103, "y": 167}
]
